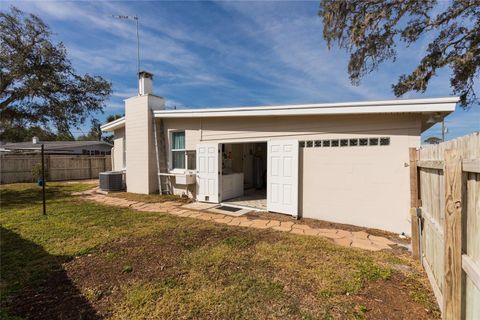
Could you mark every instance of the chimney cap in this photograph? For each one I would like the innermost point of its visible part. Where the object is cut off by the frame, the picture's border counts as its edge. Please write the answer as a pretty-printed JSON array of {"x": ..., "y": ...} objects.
[{"x": 145, "y": 74}]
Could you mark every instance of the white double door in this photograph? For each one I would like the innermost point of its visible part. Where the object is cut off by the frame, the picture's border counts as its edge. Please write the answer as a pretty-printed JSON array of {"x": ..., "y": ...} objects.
[{"x": 282, "y": 175}]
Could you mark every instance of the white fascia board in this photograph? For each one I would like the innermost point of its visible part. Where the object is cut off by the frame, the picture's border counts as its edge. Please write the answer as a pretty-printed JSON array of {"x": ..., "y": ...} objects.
[
  {"x": 115, "y": 124},
  {"x": 443, "y": 105}
]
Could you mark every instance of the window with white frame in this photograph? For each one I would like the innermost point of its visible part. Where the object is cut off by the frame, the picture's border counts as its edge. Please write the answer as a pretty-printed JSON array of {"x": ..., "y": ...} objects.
[{"x": 178, "y": 150}]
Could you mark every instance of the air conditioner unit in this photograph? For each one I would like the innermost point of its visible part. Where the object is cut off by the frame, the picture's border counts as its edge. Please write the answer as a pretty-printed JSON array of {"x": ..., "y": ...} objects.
[{"x": 111, "y": 181}]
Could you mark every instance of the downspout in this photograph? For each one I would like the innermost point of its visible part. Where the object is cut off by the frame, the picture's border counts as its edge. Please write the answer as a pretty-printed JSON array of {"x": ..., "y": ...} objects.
[
  {"x": 112, "y": 158},
  {"x": 156, "y": 152}
]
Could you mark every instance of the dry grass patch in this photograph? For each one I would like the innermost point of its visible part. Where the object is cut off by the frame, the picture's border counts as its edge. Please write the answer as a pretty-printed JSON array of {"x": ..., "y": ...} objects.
[
  {"x": 149, "y": 198},
  {"x": 118, "y": 263}
]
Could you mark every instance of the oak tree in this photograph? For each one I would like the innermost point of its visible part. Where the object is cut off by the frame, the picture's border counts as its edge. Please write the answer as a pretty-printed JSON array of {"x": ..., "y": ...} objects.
[
  {"x": 370, "y": 31},
  {"x": 38, "y": 84}
]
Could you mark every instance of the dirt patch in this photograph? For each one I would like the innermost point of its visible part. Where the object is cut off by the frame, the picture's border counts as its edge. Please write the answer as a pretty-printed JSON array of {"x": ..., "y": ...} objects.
[
  {"x": 140, "y": 275},
  {"x": 328, "y": 225},
  {"x": 391, "y": 299}
]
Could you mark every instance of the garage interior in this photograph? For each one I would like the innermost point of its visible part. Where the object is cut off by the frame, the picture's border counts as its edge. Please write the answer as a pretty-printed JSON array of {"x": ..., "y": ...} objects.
[{"x": 244, "y": 174}]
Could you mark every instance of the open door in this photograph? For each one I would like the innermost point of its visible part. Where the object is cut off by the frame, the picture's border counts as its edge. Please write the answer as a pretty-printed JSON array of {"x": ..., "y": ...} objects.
[
  {"x": 208, "y": 172},
  {"x": 282, "y": 176}
]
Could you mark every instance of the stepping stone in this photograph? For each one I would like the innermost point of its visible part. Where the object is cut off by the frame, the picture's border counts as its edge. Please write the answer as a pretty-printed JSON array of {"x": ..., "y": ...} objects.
[
  {"x": 234, "y": 222},
  {"x": 284, "y": 226},
  {"x": 245, "y": 223},
  {"x": 381, "y": 240},
  {"x": 360, "y": 234},
  {"x": 301, "y": 226},
  {"x": 344, "y": 233},
  {"x": 332, "y": 235},
  {"x": 311, "y": 232},
  {"x": 296, "y": 230},
  {"x": 260, "y": 224},
  {"x": 273, "y": 223},
  {"x": 195, "y": 214},
  {"x": 150, "y": 208},
  {"x": 344, "y": 242},
  {"x": 364, "y": 244},
  {"x": 225, "y": 219}
]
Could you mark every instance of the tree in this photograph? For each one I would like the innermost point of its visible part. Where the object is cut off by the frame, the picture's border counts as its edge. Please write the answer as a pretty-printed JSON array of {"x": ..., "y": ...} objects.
[
  {"x": 24, "y": 134},
  {"x": 109, "y": 137},
  {"x": 95, "y": 133},
  {"x": 370, "y": 30},
  {"x": 113, "y": 117},
  {"x": 39, "y": 86},
  {"x": 433, "y": 140}
]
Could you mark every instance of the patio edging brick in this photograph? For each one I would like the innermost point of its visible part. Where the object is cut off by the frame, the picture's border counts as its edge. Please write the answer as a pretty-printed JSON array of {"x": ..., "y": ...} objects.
[{"x": 357, "y": 239}]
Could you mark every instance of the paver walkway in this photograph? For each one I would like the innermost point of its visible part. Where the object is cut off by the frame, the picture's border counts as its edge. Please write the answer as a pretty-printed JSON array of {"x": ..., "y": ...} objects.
[{"x": 356, "y": 239}]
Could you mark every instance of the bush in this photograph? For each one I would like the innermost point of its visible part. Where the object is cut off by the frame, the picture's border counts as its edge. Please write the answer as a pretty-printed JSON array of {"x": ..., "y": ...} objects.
[{"x": 37, "y": 171}]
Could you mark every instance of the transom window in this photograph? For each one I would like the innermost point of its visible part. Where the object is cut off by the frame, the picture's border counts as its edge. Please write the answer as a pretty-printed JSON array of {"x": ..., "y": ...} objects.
[
  {"x": 353, "y": 142},
  {"x": 178, "y": 150}
]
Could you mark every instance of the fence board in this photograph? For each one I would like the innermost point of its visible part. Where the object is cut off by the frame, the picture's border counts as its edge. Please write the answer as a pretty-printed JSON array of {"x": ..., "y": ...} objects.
[
  {"x": 18, "y": 168},
  {"x": 452, "y": 289},
  {"x": 450, "y": 237}
]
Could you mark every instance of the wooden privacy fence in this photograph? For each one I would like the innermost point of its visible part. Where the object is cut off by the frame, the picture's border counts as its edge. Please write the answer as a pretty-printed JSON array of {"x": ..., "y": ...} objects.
[
  {"x": 445, "y": 201},
  {"x": 18, "y": 168}
]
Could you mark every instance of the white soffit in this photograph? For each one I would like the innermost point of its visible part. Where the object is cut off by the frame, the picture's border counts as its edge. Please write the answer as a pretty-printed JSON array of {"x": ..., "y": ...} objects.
[
  {"x": 442, "y": 105},
  {"x": 115, "y": 124}
]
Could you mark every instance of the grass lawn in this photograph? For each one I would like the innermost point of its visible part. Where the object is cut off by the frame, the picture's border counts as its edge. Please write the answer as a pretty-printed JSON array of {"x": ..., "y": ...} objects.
[
  {"x": 90, "y": 261},
  {"x": 148, "y": 198}
]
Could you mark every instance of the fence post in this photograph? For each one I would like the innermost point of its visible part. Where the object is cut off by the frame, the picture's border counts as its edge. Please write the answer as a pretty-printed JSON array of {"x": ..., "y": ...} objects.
[
  {"x": 90, "y": 167},
  {"x": 414, "y": 203},
  {"x": 452, "y": 289},
  {"x": 47, "y": 158}
]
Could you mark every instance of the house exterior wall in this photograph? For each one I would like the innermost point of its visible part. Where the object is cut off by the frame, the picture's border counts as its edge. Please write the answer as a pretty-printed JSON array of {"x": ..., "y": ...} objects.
[
  {"x": 118, "y": 152},
  {"x": 141, "y": 174},
  {"x": 366, "y": 186}
]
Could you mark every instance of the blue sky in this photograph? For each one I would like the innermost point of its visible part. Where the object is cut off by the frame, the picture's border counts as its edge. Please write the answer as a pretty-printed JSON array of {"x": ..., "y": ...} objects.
[{"x": 216, "y": 54}]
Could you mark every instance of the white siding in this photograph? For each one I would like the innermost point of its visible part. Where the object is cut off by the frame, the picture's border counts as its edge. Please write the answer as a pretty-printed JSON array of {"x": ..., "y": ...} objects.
[{"x": 118, "y": 151}]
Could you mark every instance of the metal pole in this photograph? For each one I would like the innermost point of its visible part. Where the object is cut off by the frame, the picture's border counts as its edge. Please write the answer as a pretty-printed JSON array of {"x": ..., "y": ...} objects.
[
  {"x": 138, "y": 38},
  {"x": 43, "y": 181},
  {"x": 443, "y": 130},
  {"x": 138, "y": 47}
]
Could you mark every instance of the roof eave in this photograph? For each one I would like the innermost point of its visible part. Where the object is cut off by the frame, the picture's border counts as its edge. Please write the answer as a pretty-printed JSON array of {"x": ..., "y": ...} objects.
[
  {"x": 113, "y": 125},
  {"x": 443, "y": 106}
]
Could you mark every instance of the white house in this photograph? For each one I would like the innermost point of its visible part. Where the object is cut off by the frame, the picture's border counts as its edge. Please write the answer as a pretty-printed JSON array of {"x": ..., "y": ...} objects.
[{"x": 341, "y": 162}]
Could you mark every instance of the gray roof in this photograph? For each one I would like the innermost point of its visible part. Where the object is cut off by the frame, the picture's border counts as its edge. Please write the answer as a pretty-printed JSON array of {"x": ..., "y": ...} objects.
[{"x": 54, "y": 145}]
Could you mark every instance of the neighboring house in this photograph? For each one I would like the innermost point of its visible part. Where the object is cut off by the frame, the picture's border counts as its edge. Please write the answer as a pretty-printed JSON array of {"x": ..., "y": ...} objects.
[
  {"x": 59, "y": 147},
  {"x": 341, "y": 162}
]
